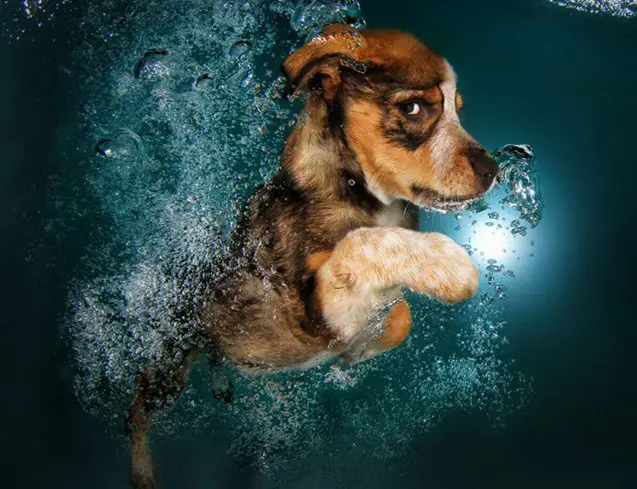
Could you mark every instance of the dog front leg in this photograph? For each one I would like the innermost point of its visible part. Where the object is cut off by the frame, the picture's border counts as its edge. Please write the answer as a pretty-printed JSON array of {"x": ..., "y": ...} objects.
[{"x": 369, "y": 263}]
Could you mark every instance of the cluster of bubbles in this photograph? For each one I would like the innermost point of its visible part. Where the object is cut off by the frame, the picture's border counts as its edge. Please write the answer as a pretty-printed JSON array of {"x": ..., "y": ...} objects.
[
  {"x": 517, "y": 192},
  {"x": 497, "y": 229},
  {"x": 181, "y": 119},
  {"x": 178, "y": 119},
  {"x": 617, "y": 8},
  {"x": 518, "y": 175},
  {"x": 310, "y": 15},
  {"x": 36, "y": 12}
]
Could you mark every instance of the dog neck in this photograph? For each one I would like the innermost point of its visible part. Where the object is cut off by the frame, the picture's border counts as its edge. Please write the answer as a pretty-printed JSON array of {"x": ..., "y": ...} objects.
[{"x": 320, "y": 163}]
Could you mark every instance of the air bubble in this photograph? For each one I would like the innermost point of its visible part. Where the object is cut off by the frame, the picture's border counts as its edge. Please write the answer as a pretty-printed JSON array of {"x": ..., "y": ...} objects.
[
  {"x": 239, "y": 59},
  {"x": 124, "y": 145},
  {"x": 204, "y": 81},
  {"x": 152, "y": 65},
  {"x": 239, "y": 50}
]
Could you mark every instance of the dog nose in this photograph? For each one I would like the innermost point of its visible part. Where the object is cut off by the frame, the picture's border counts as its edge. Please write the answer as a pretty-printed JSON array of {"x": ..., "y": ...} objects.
[{"x": 484, "y": 166}]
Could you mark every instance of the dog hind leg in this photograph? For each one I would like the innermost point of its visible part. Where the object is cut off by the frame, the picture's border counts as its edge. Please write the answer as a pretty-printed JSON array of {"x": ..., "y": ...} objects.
[
  {"x": 158, "y": 389},
  {"x": 396, "y": 329}
]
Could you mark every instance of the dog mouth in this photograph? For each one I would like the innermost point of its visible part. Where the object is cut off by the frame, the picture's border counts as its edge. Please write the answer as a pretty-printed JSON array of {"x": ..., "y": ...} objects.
[{"x": 431, "y": 199}]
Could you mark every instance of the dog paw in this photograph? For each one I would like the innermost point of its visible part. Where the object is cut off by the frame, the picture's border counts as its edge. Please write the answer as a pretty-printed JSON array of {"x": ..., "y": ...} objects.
[
  {"x": 450, "y": 274},
  {"x": 143, "y": 470},
  {"x": 143, "y": 479}
]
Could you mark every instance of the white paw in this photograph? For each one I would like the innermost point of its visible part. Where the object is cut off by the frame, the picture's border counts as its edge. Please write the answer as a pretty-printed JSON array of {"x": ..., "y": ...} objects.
[{"x": 449, "y": 272}]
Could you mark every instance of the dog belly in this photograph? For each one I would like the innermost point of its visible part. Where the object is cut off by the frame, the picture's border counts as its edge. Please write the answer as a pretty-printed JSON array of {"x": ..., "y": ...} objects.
[
  {"x": 258, "y": 325},
  {"x": 315, "y": 361}
]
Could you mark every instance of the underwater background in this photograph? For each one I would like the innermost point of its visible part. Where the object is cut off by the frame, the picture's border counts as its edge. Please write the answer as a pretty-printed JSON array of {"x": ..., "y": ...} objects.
[{"x": 130, "y": 133}]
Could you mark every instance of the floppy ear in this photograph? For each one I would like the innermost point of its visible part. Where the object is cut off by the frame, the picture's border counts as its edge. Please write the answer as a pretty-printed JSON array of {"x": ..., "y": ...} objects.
[{"x": 317, "y": 65}]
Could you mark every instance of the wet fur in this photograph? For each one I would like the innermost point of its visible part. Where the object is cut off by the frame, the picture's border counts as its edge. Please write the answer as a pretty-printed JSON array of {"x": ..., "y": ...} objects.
[{"x": 333, "y": 235}]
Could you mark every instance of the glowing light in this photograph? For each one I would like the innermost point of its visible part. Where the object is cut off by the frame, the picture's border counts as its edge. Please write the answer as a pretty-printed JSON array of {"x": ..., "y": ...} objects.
[{"x": 494, "y": 243}]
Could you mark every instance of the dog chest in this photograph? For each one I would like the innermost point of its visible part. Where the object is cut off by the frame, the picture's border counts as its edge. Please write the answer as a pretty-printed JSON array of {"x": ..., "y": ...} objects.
[{"x": 392, "y": 215}]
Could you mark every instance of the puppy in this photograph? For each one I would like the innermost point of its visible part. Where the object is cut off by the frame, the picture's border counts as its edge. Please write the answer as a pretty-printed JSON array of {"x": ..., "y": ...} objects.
[{"x": 332, "y": 238}]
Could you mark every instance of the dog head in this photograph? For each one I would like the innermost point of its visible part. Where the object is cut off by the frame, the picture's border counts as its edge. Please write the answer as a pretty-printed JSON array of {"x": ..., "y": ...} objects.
[{"x": 395, "y": 104}]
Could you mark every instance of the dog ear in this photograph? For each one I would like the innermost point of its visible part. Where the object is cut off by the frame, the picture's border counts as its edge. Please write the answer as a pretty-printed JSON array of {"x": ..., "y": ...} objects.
[{"x": 318, "y": 64}]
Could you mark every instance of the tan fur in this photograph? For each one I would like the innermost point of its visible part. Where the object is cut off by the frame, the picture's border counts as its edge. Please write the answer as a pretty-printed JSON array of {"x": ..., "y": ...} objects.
[
  {"x": 459, "y": 101},
  {"x": 316, "y": 261},
  {"x": 397, "y": 327}
]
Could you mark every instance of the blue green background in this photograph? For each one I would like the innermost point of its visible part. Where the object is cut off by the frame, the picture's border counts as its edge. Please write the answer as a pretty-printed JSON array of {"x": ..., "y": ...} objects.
[{"x": 530, "y": 72}]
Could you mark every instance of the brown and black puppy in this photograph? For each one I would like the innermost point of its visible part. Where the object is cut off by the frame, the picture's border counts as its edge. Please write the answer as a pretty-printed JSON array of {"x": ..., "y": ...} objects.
[{"x": 332, "y": 237}]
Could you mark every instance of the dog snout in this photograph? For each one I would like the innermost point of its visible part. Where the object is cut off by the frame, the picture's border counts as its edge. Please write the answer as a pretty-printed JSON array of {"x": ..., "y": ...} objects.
[{"x": 484, "y": 166}]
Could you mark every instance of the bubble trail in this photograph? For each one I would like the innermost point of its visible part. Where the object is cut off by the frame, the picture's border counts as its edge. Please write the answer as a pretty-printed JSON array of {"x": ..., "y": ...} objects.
[
  {"x": 617, "y": 8},
  {"x": 518, "y": 174}
]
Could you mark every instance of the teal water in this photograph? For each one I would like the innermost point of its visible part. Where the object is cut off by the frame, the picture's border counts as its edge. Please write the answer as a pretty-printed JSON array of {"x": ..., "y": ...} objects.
[{"x": 528, "y": 386}]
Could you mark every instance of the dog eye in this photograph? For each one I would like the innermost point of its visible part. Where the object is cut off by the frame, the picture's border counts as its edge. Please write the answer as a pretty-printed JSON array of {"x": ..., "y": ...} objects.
[{"x": 411, "y": 109}]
